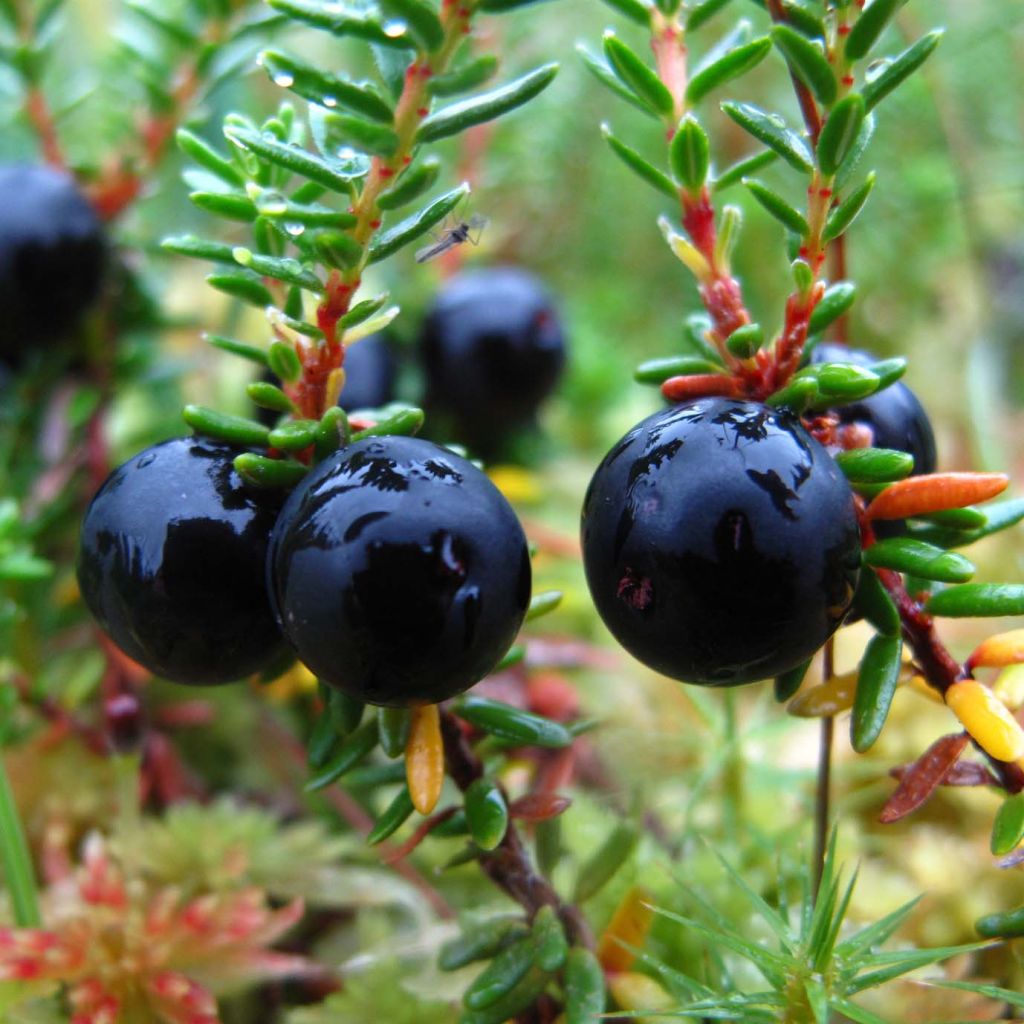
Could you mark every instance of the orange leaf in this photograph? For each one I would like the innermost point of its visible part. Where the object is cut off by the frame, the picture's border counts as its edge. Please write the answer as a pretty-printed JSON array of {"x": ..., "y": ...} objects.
[
  {"x": 424, "y": 758},
  {"x": 629, "y": 924},
  {"x": 699, "y": 385},
  {"x": 920, "y": 495},
  {"x": 999, "y": 651}
]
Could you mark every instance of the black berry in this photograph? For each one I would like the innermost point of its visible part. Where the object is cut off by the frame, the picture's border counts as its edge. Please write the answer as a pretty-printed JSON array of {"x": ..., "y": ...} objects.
[
  {"x": 400, "y": 573},
  {"x": 172, "y": 564},
  {"x": 895, "y": 416},
  {"x": 493, "y": 349},
  {"x": 720, "y": 542},
  {"x": 51, "y": 256}
]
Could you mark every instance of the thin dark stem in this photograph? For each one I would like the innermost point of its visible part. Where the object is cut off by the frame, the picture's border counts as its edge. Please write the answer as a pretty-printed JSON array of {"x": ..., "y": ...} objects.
[
  {"x": 837, "y": 256},
  {"x": 509, "y": 865},
  {"x": 823, "y": 794}
]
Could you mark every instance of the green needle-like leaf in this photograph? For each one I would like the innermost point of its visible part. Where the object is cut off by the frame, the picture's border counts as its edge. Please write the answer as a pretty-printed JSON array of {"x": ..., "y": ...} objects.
[
  {"x": 876, "y": 684},
  {"x": 869, "y": 26},
  {"x": 690, "y": 154},
  {"x": 512, "y": 724},
  {"x": 634, "y": 72},
  {"x": 420, "y": 19},
  {"x": 808, "y": 62},
  {"x": 636, "y": 163},
  {"x": 417, "y": 225},
  {"x": 736, "y": 62},
  {"x": 487, "y": 106},
  {"x": 840, "y": 133},
  {"x": 788, "y": 215},
  {"x": 771, "y": 129},
  {"x": 980, "y": 600},
  {"x": 919, "y": 559},
  {"x": 324, "y": 88},
  {"x": 900, "y": 68}
]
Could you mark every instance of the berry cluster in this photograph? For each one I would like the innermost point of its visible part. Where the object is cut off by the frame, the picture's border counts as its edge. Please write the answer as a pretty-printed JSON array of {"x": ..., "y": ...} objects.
[{"x": 395, "y": 570}]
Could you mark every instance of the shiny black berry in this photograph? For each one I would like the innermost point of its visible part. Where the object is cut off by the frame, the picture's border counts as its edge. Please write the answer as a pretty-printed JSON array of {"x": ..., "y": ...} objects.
[
  {"x": 493, "y": 349},
  {"x": 720, "y": 542},
  {"x": 399, "y": 572},
  {"x": 172, "y": 564},
  {"x": 895, "y": 416},
  {"x": 51, "y": 256}
]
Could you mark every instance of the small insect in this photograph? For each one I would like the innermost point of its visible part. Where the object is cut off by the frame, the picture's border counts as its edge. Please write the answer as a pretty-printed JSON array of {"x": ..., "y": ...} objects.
[{"x": 451, "y": 237}]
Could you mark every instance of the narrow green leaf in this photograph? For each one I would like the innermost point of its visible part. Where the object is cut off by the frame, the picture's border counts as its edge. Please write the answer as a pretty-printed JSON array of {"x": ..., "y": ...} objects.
[
  {"x": 237, "y": 348},
  {"x": 838, "y": 298},
  {"x": 486, "y": 106},
  {"x": 321, "y": 743},
  {"x": 634, "y": 72},
  {"x": 804, "y": 18},
  {"x": 788, "y": 215},
  {"x": 636, "y": 163},
  {"x": 337, "y": 249},
  {"x": 512, "y": 724},
  {"x": 733, "y": 64},
  {"x": 701, "y": 13},
  {"x": 875, "y": 465},
  {"x": 418, "y": 224},
  {"x": 346, "y": 712},
  {"x": 393, "y": 817},
  {"x": 689, "y": 154},
  {"x": 420, "y": 19},
  {"x": 978, "y": 600},
  {"x": 876, "y": 684},
  {"x": 225, "y": 427},
  {"x": 362, "y": 311},
  {"x": 268, "y": 396},
  {"x": 872, "y": 601},
  {"x": 840, "y": 133},
  {"x": 295, "y": 159},
  {"x": 900, "y": 68},
  {"x": 543, "y": 603},
  {"x": 860, "y": 145},
  {"x": 326, "y": 89},
  {"x": 405, "y": 422},
  {"x": 486, "y": 816},
  {"x": 1015, "y": 999},
  {"x": 771, "y": 129},
  {"x": 549, "y": 939},
  {"x": 808, "y": 62},
  {"x": 351, "y": 130},
  {"x": 470, "y": 76},
  {"x": 357, "y": 746},
  {"x": 967, "y": 518},
  {"x": 247, "y": 287},
  {"x": 857, "y": 1013},
  {"x": 743, "y": 169},
  {"x": 207, "y": 157},
  {"x": 605, "y": 862},
  {"x": 199, "y": 248},
  {"x": 584, "y": 987},
  {"x": 501, "y": 975},
  {"x": 512, "y": 1003},
  {"x": 341, "y": 20},
  {"x": 394, "y": 725},
  {"x": 604, "y": 74},
  {"x": 632, "y": 9},
  {"x": 846, "y": 212},
  {"x": 270, "y": 474},
  {"x": 789, "y": 682},
  {"x": 284, "y": 361},
  {"x": 745, "y": 340},
  {"x": 869, "y": 26},
  {"x": 481, "y": 942},
  {"x": 845, "y": 381},
  {"x": 333, "y": 432},
  {"x": 412, "y": 184},
  {"x": 922, "y": 560},
  {"x": 1006, "y": 924},
  {"x": 281, "y": 268},
  {"x": 294, "y": 435},
  {"x": 502, "y": 6},
  {"x": 24, "y": 567},
  {"x": 657, "y": 371},
  {"x": 1008, "y": 827}
]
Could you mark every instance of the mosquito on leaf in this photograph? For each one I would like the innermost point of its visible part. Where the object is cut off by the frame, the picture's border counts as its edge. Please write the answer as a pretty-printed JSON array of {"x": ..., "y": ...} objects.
[{"x": 453, "y": 236}]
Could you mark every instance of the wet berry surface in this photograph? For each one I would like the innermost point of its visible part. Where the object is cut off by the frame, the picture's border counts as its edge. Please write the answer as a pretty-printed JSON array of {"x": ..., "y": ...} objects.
[
  {"x": 399, "y": 571},
  {"x": 171, "y": 564},
  {"x": 720, "y": 542}
]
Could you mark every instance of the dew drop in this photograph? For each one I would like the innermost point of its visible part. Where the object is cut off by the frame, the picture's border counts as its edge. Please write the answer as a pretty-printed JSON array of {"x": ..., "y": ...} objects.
[
  {"x": 294, "y": 228},
  {"x": 284, "y": 79},
  {"x": 346, "y": 152},
  {"x": 394, "y": 28},
  {"x": 329, "y": 101}
]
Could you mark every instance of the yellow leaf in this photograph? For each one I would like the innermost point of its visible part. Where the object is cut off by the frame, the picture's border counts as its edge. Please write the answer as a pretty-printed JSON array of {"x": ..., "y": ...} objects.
[
  {"x": 424, "y": 758},
  {"x": 987, "y": 719},
  {"x": 629, "y": 924},
  {"x": 999, "y": 651}
]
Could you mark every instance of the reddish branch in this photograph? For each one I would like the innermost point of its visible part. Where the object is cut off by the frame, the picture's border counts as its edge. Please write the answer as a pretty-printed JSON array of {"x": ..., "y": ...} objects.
[
  {"x": 509, "y": 866},
  {"x": 808, "y": 108}
]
